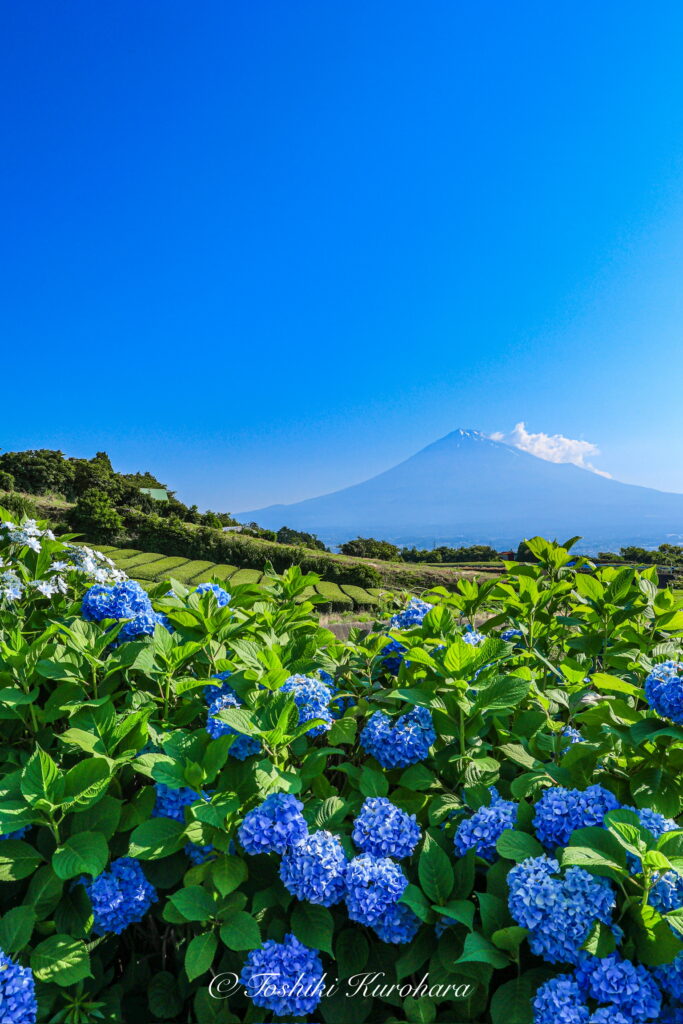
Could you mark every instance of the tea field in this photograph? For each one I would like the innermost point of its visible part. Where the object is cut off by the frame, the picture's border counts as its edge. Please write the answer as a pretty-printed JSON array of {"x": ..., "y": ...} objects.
[
  {"x": 149, "y": 568},
  {"x": 215, "y": 811}
]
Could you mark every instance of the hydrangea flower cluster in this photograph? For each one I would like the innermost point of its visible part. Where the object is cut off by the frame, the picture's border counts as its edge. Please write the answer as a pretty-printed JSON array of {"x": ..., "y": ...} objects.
[
  {"x": 171, "y": 803},
  {"x": 284, "y": 977},
  {"x": 49, "y": 587},
  {"x": 222, "y": 596},
  {"x": 472, "y": 637},
  {"x": 120, "y": 896},
  {"x": 274, "y": 825},
  {"x": 670, "y": 978},
  {"x": 560, "y": 1001},
  {"x": 405, "y": 742},
  {"x": 412, "y": 615},
  {"x": 559, "y": 912},
  {"x": 482, "y": 830},
  {"x": 625, "y": 987},
  {"x": 125, "y": 600},
  {"x": 511, "y": 634},
  {"x": 315, "y": 869},
  {"x": 384, "y": 830},
  {"x": 218, "y": 698},
  {"x": 17, "y": 993},
  {"x": 11, "y": 587},
  {"x": 630, "y": 995},
  {"x": 92, "y": 564},
  {"x": 653, "y": 821},
  {"x": 26, "y": 534},
  {"x": 398, "y": 924},
  {"x": 572, "y": 734},
  {"x": 667, "y": 892},
  {"x": 664, "y": 690},
  {"x": 561, "y": 811},
  {"x": 373, "y": 884},
  {"x": 393, "y": 656},
  {"x": 312, "y": 697},
  {"x": 199, "y": 854}
]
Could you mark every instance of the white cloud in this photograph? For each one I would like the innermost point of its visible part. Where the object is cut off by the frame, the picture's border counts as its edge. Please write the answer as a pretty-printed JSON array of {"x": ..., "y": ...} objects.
[{"x": 552, "y": 447}]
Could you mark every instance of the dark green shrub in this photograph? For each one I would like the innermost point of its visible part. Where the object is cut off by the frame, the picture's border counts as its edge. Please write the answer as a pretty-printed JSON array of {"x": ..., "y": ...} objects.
[
  {"x": 368, "y": 547},
  {"x": 19, "y": 505},
  {"x": 6, "y": 481},
  {"x": 95, "y": 516}
]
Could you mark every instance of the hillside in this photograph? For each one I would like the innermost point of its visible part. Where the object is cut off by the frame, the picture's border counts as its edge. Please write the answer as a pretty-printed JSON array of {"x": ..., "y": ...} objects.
[
  {"x": 347, "y": 578},
  {"x": 467, "y": 489}
]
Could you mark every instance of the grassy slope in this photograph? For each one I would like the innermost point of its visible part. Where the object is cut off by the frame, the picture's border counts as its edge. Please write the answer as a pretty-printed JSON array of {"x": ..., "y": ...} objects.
[{"x": 414, "y": 577}]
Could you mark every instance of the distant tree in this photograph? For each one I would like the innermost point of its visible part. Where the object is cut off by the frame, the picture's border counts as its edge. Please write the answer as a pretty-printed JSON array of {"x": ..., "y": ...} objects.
[
  {"x": 285, "y": 535},
  {"x": 38, "y": 471},
  {"x": 6, "y": 481},
  {"x": 476, "y": 553},
  {"x": 369, "y": 547},
  {"x": 210, "y": 518},
  {"x": 95, "y": 516}
]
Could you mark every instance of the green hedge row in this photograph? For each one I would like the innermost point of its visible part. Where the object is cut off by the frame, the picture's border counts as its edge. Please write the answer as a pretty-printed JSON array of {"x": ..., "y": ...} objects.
[{"x": 152, "y": 533}]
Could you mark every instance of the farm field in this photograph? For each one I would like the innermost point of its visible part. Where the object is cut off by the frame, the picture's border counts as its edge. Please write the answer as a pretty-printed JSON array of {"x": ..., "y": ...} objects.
[{"x": 150, "y": 568}]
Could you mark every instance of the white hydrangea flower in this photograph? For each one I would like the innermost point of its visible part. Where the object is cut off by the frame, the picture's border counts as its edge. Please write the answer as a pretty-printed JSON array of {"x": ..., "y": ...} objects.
[{"x": 11, "y": 587}]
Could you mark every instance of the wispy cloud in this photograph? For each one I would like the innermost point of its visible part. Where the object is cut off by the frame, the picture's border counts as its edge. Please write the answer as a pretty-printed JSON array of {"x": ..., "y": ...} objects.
[{"x": 552, "y": 447}]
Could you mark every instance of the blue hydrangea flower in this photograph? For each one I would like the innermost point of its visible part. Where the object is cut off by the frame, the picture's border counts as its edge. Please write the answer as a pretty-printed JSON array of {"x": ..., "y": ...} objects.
[
  {"x": 284, "y": 977},
  {"x": 218, "y": 699},
  {"x": 610, "y": 1015},
  {"x": 120, "y": 896},
  {"x": 315, "y": 869},
  {"x": 398, "y": 924},
  {"x": 667, "y": 892},
  {"x": 572, "y": 734},
  {"x": 171, "y": 803},
  {"x": 653, "y": 821},
  {"x": 393, "y": 656},
  {"x": 200, "y": 854},
  {"x": 222, "y": 596},
  {"x": 558, "y": 911},
  {"x": 143, "y": 625},
  {"x": 384, "y": 830},
  {"x": 312, "y": 698},
  {"x": 472, "y": 637},
  {"x": 404, "y": 742},
  {"x": 124, "y": 600},
  {"x": 625, "y": 986},
  {"x": 412, "y": 615},
  {"x": 372, "y": 885},
  {"x": 484, "y": 828},
  {"x": 511, "y": 634},
  {"x": 664, "y": 690},
  {"x": 560, "y": 1001},
  {"x": 18, "y": 1003},
  {"x": 561, "y": 811},
  {"x": 670, "y": 978},
  {"x": 17, "y": 834},
  {"x": 671, "y": 1015},
  {"x": 274, "y": 825}
]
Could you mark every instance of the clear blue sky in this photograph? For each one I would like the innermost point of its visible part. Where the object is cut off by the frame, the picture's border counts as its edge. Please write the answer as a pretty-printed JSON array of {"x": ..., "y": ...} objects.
[{"x": 268, "y": 249}]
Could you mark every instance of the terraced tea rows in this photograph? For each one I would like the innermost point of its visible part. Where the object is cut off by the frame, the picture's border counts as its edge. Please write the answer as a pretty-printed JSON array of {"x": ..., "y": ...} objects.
[{"x": 149, "y": 567}]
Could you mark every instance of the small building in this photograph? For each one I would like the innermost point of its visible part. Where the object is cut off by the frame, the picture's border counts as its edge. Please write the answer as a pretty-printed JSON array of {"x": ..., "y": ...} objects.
[{"x": 158, "y": 493}]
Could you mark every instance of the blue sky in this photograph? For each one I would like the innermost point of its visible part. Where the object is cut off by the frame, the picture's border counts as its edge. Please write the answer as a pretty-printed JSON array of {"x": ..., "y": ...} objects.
[{"x": 267, "y": 250}]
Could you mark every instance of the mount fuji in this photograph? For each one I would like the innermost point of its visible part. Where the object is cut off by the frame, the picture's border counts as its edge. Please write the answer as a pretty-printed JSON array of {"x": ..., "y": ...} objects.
[{"x": 467, "y": 489}]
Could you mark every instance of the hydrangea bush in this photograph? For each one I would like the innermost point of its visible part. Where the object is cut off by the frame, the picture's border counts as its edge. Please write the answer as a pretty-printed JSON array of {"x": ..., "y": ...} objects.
[{"x": 214, "y": 812}]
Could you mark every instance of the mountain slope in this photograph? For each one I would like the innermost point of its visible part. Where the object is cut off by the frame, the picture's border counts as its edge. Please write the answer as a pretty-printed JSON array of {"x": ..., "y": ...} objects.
[{"x": 466, "y": 488}]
